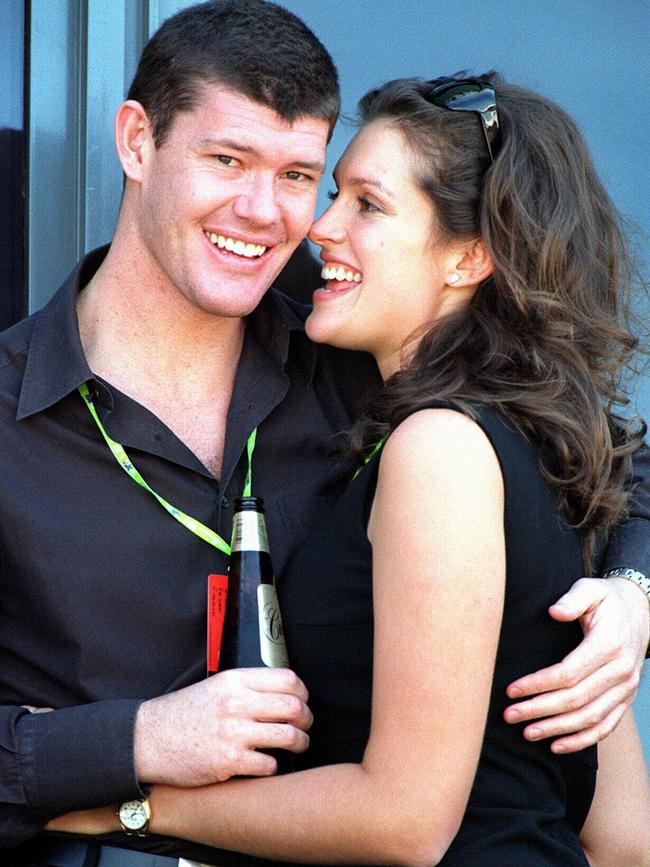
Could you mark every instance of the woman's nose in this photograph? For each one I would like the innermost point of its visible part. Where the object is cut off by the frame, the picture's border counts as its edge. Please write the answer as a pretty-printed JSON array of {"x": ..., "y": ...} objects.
[{"x": 328, "y": 227}]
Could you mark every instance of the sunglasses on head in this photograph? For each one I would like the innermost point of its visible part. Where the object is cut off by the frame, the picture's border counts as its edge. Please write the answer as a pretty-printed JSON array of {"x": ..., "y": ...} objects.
[{"x": 470, "y": 94}]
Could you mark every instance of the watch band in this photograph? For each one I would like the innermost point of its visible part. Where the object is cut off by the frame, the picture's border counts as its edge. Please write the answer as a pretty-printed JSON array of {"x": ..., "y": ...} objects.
[{"x": 638, "y": 578}]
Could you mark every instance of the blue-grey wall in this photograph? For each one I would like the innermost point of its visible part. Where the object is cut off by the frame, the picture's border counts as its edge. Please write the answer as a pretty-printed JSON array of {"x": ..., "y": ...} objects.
[{"x": 11, "y": 55}]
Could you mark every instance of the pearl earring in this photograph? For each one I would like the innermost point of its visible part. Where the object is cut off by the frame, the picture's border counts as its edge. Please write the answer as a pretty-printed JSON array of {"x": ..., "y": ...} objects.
[{"x": 453, "y": 278}]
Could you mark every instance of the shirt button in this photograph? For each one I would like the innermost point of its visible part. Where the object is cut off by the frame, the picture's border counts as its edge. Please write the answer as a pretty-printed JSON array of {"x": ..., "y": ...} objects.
[{"x": 225, "y": 503}]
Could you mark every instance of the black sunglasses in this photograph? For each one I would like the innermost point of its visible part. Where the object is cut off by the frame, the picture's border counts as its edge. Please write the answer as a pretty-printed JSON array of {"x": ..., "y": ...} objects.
[{"x": 470, "y": 94}]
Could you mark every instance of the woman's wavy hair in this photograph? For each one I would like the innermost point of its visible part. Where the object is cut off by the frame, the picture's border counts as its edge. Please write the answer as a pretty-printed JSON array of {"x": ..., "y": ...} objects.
[{"x": 545, "y": 339}]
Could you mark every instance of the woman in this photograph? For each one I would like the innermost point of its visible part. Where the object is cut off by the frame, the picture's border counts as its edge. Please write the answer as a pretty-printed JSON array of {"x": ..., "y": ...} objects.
[{"x": 474, "y": 253}]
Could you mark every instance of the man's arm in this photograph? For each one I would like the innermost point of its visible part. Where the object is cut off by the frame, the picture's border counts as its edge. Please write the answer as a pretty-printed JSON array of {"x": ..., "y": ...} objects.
[
  {"x": 78, "y": 755},
  {"x": 586, "y": 695},
  {"x": 629, "y": 545},
  {"x": 100, "y": 753}
]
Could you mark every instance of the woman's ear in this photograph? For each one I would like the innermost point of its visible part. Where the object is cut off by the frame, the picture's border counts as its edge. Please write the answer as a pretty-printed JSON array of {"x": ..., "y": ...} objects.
[
  {"x": 475, "y": 264},
  {"x": 133, "y": 137}
]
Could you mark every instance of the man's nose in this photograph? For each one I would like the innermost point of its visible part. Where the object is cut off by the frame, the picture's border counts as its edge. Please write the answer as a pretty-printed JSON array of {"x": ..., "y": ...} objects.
[{"x": 258, "y": 202}]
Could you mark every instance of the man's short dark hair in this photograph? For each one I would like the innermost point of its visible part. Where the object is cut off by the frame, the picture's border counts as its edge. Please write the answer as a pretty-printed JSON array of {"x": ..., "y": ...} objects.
[{"x": 257, "y": 48}]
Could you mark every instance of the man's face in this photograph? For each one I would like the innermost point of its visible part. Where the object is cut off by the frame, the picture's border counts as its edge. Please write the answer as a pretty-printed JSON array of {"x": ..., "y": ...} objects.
[{"x": 226, "y": 199}]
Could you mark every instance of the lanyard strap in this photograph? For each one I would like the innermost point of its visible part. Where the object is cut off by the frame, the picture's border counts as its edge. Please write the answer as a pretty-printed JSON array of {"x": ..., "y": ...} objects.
[
  {"x": 187, "y": 521},
  {"x": 373, "y": 451}
]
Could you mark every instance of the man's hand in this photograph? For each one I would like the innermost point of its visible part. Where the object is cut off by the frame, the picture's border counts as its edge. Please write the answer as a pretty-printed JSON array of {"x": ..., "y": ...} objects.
[
  {"x": 212, "y": 730},
  {"x": 586, "y": 694}
]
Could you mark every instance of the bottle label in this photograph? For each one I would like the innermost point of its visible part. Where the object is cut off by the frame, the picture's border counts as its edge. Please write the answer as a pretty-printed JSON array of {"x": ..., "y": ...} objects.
[
  {"x": 249, "y": 533},
  {"x": 273, "y": 649}
]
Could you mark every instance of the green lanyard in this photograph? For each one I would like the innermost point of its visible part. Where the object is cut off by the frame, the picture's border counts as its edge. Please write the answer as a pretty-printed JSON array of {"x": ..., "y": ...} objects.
[
  {"x": 187, "y": 521},
  {"x": 373, "y": 451}
]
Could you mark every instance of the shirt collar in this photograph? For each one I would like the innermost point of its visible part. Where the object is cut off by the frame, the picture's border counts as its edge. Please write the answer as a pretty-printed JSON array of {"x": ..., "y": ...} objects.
[
  {"x": 278, "y": 324},
  {"x": 56, "y": 363}
]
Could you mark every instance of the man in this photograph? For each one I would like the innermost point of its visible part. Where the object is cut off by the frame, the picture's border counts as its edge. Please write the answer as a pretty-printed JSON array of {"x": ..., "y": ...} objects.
[{"x": 184, "y": 352}]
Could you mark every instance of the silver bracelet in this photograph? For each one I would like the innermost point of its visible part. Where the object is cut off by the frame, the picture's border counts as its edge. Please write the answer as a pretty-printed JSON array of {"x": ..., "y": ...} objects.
[{"x": 632, "y": 575}]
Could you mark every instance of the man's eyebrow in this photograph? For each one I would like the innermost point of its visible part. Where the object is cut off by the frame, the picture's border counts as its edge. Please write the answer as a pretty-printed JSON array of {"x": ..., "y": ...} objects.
[
  {"x": 230, "y": 144},
  {"x": 233, "y": 145},
  {"x": 314, "y": 167}
]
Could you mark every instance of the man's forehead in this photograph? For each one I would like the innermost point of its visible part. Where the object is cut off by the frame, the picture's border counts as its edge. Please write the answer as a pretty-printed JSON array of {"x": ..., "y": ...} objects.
[{"x": 227, "y": 107}]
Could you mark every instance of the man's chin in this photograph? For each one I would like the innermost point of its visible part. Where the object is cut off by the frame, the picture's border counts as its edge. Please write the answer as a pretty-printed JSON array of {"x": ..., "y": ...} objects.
[{"x": 232, "y": 300}]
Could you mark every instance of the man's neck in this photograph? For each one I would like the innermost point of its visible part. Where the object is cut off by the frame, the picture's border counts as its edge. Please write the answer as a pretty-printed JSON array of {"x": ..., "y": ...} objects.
[{"x": 178, "y": 362}]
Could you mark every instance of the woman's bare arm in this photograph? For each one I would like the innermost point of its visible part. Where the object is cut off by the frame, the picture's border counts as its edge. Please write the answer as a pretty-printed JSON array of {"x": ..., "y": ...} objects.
[{"x": 617, "y": 830}]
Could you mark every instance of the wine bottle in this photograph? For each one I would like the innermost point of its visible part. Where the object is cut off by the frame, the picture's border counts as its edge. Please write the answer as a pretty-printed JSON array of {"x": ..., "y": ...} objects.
[{"x": 253, "y": 634}]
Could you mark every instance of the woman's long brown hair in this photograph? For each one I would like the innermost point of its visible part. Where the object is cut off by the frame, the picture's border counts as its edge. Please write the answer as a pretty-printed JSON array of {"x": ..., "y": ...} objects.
[{"x": 545, "y": 339}]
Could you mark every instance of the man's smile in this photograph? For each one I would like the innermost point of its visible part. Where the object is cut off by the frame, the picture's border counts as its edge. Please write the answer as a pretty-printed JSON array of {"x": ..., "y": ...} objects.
[{"x": 236, "y": 245}]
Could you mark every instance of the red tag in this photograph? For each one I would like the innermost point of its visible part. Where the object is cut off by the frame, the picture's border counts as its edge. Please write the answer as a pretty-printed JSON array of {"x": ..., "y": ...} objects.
[{"x": 217, "y": 594}]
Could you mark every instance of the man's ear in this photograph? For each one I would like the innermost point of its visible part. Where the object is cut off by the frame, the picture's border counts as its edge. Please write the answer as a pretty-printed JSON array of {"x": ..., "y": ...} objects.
[
  {"x": 475, "y": 264},
  {"x": 133, "y": 138}
]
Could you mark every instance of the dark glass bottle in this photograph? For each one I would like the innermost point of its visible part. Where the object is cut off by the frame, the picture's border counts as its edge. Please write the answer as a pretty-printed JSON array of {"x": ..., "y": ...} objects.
[{"x": 253, "y": 634}]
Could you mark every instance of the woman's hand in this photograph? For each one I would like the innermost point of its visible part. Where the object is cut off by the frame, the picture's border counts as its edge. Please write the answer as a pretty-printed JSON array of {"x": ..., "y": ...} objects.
[
  {"x": 586, "y": 695},
  {"x": 101, "y": 820}
]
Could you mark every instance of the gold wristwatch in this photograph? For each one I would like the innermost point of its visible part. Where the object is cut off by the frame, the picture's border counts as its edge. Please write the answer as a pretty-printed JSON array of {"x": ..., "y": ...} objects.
[{"x": 134, "y": 817}]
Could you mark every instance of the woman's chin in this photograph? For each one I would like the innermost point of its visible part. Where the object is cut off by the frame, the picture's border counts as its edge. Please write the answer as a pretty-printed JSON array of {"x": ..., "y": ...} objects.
[{"x": 321, "y": 331}]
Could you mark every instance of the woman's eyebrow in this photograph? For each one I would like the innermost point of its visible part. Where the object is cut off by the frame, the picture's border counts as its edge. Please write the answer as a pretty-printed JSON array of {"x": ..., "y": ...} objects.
[{"x": 362, "y": 180}]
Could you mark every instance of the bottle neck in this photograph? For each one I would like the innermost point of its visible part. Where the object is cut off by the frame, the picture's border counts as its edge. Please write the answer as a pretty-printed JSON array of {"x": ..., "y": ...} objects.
[{"x": 249, "y": 532}]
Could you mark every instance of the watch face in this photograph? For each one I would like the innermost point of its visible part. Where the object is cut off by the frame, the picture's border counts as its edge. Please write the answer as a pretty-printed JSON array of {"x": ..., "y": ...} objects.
[{"x": 133, "y": 815}]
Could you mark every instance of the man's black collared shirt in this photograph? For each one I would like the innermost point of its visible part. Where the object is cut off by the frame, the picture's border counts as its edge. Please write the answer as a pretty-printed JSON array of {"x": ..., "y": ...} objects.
[{"x": 102, "y": 592}]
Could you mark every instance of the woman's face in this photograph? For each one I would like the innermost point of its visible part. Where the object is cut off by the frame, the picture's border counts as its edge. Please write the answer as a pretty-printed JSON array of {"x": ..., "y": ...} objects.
[{"x": 385, "y": 261}]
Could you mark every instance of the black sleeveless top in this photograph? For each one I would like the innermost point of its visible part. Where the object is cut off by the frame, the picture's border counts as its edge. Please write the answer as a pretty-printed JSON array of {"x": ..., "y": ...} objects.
[{"x": 527, "y": 805}]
